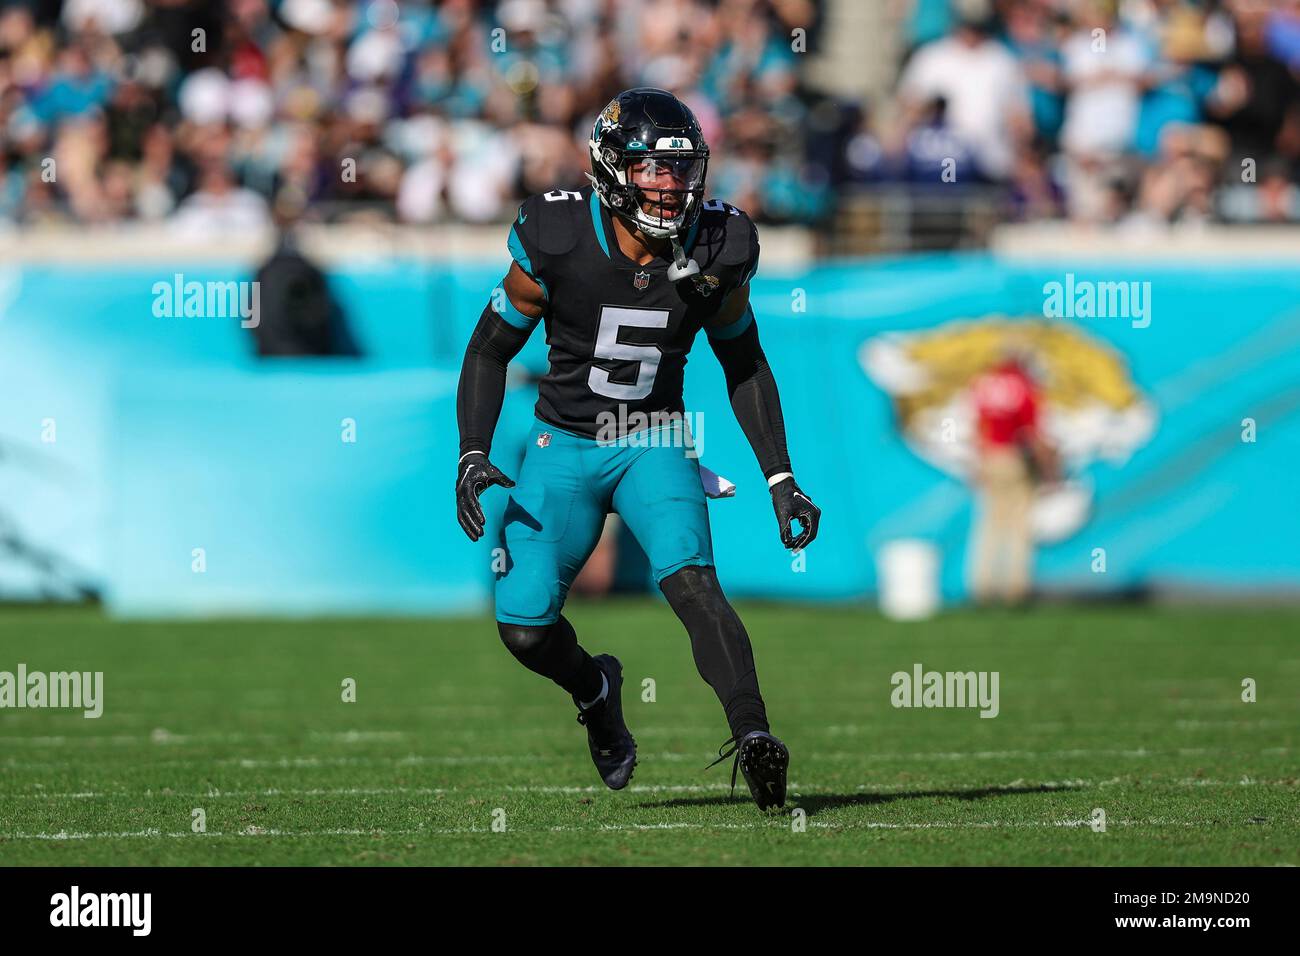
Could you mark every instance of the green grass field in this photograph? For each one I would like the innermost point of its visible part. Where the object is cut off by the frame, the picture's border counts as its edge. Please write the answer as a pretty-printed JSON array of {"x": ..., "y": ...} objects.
[{"x": 1135, "y": 711}]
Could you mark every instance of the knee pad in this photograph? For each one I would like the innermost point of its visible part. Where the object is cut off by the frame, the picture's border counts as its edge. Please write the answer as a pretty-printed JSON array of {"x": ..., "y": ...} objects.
[{"x": 523, "y": 640}]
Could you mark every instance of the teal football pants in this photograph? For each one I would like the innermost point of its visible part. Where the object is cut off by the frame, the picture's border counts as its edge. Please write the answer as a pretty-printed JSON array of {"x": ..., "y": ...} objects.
[{"x": 566, "y": 486}]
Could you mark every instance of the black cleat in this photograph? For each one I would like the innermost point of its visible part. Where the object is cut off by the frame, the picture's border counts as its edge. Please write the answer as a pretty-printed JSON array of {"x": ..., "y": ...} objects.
[
  {"x": 613, "y": 750},
  {"x": 764, "y": 761}
]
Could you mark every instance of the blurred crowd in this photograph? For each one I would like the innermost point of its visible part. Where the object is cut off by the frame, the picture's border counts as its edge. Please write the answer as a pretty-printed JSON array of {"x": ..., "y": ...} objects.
[
  {"x": 224, "y": 116},
  {"x": 218, "y": 116},
  {"x": 1133, "y": 112}
]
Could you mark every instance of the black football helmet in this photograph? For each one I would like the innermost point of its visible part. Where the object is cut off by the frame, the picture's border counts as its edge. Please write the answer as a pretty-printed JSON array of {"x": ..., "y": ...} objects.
[{"x": 649, "y": 161}]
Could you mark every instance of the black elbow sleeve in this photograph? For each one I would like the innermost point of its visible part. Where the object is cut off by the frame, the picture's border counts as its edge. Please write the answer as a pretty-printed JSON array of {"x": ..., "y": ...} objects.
[
  {"x": 493, "y": 343},
  {"x": 496, "y": 339},
  {"x": 754, "y": 399}
]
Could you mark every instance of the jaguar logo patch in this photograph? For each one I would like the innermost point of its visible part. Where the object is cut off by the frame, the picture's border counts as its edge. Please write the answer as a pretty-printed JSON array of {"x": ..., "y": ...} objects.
[
  {"x": 607, "y": 120},
  {"x": 706, "y": 284}
]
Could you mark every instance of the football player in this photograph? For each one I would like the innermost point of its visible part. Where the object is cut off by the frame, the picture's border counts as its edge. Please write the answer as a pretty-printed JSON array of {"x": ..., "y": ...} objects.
[{"x": 624, "y": 273}]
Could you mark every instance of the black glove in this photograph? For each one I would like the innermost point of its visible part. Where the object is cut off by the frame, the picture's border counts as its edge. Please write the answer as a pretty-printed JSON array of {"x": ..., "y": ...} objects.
[
  {"x": 791, "y": 503},
  {"x": 477, "y": 474}
]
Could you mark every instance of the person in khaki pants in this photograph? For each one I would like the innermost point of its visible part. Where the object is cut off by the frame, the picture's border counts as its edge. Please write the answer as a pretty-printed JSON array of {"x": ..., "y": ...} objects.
[{"x": 1011, "y": 456}]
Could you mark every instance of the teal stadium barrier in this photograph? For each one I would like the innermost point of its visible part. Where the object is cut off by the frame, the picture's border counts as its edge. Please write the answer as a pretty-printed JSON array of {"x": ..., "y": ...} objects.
[{"x": 128, "y": 441}]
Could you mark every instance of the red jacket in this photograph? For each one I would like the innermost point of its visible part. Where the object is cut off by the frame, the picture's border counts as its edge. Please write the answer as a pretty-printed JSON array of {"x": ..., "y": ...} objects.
[{"x": 1006, "y": 403}]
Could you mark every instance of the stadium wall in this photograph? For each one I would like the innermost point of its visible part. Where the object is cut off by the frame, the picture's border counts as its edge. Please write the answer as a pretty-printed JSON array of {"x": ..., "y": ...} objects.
[{"x": 129, "y": 441}]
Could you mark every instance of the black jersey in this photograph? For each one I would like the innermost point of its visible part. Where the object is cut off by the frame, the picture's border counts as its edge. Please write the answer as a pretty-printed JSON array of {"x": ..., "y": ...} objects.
[{"x": 619, "y": 332}]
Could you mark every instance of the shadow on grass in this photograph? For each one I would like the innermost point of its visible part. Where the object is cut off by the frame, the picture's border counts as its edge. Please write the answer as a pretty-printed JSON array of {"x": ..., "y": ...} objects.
[{"x": 814, "y": 803}]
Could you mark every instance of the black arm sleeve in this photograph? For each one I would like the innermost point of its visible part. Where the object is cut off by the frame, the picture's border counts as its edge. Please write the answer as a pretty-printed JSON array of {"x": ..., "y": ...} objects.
[
  {"x": 754, "y": 398},
  {"x": 483, "y": 379}
]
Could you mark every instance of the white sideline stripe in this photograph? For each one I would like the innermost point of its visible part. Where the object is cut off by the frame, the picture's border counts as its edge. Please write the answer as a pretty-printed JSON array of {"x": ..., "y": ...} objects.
[
  {"x": 221, "y": 794},
  {"x": 610, "y": 827},
  {"x": 635, "y": 788},
  {"x": 412, "y": 760},
  {"x": 853, "y": 730},
  {"x": 368, "y": 791},
  {"x": 1139, "y": 752},
  {"x": 163, "y": 737},
  {"x": 160, "y": 736},
  {"x": 796, "y": 789},
  {"x": 952, "y": 825},
  {"x": 374, "y": 791},
  {"x": 251, "y": 832}
]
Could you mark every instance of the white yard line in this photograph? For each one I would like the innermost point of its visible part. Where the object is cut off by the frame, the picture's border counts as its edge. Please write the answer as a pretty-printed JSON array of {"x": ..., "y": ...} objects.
[
  {"x": 795, "y": 788},
  {"x": 605, "y": 828},
  {"x": 371, "y": 791},
  {"x": 811, "y": 756},
  {"x": 161, "y": 737},
  {"x": 251, "y": 832}
]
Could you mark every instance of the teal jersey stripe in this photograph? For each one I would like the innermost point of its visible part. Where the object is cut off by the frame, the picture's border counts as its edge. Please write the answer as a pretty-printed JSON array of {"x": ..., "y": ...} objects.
[
  {"x": 517, "y": 252},
  {"x": 597, "y": 224},
  {"x": 735, "y": 328},
  {"x": 520, "y": 256},
  {"x": 503, "y": 307}
]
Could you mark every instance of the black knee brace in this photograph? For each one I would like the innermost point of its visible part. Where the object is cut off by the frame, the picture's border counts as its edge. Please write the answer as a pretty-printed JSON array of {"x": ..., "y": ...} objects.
[
  {"x": 522, "y": 640},
  {"x": 553, "y": 651}
]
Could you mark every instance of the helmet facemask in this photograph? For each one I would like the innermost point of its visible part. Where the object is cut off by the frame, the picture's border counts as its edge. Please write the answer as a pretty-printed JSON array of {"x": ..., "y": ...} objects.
[
  {"x": 659, "y": 191},
  {"x": 668, "y": 189}
]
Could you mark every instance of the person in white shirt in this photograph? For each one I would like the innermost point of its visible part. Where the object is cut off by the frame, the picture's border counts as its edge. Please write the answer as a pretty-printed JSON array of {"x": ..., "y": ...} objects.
[
  {"x": 1105, "y": 69},
  {"x": 984, "y": 90},
  {"x": 220, "y": 208}
]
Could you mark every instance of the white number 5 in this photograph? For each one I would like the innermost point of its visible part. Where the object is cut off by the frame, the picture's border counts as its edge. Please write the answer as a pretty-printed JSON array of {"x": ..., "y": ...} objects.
[{"x": 608, "y": 347}]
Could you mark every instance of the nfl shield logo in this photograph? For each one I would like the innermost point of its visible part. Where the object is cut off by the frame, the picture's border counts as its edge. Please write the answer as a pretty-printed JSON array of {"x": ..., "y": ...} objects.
[
  {"x": 543, "y": 439},
  {"x": 641, "y": 280}
]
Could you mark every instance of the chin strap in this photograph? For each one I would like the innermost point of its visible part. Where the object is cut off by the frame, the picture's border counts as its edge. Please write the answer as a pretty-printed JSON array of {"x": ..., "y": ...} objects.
[{"x": 682, "y": 267}]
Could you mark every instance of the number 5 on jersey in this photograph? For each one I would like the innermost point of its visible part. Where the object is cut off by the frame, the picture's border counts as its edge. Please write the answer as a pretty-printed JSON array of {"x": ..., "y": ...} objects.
[{"x": 613, "y": 319}]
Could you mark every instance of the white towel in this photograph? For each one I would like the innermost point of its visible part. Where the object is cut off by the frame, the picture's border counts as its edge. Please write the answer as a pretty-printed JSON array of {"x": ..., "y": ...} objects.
[{"x": 715, "y": 486}]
